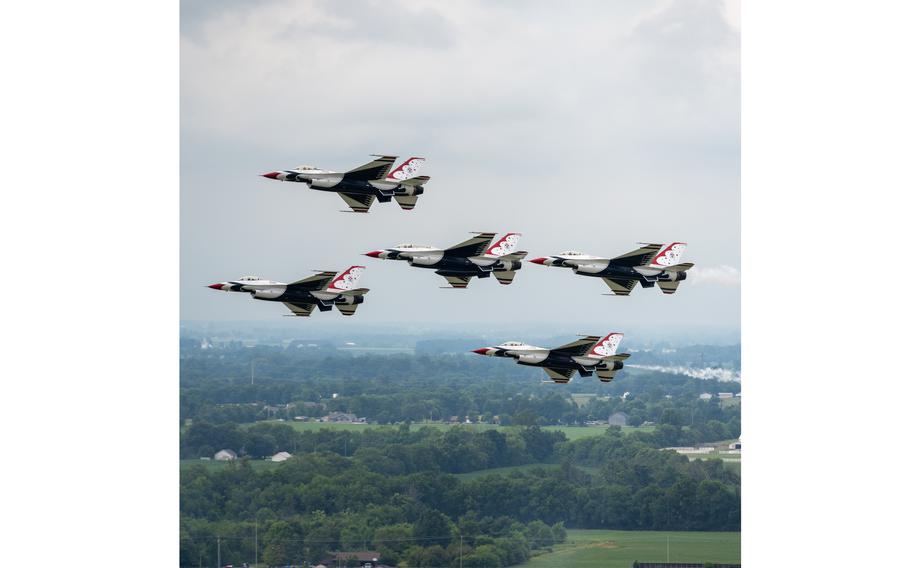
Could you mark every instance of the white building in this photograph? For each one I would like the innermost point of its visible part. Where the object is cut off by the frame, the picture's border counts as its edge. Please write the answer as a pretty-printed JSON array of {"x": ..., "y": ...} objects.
[
  {"x": 281, "y": 456},
  {"x": 226, "y": 455},
  {"x": 725, "y": 395},
  {"x": 705, "y": 396}
]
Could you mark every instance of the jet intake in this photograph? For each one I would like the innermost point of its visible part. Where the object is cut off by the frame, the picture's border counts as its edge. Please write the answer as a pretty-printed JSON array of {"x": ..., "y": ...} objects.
[{"x": 349, "y": 300}]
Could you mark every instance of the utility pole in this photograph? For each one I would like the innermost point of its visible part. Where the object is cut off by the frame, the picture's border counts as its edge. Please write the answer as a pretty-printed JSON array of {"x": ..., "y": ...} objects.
[
  {"x": 460, "y": 550},
  {"x": 256, "y": 544},
  {"x": 252, "y": 371},
  {"x": 219, "y": 552}
]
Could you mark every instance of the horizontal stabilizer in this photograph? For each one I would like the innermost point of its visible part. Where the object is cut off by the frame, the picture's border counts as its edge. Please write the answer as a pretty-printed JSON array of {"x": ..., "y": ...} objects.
[
  {"x": 606, "y": 376},
  {"x": 681, "y": 267},
  {"x": 419, "y": 180},
  {"x": 406, "y": 202},
  {"x": 515, "y": 255},
  {"x": 355, "y": 292},
  {"x": 347, "y": 309},
  {"x": 505, "y": 277},
  {"x": 617, "y": 357},
  {"x": 668, "y": 287}
]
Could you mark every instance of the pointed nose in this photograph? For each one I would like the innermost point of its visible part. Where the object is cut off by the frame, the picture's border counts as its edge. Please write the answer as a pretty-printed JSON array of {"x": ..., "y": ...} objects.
[
  {"x": 373, "y": 253},
  {"x": 481, "y": 351},
  {"x": 271, "y": 175},
  {"x": 539, "y": 260},
  {"x": 216, "y": 286}
]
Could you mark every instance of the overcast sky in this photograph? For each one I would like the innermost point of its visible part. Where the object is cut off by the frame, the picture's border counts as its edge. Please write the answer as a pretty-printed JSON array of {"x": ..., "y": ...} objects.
[{"x": 584, "y": 125}]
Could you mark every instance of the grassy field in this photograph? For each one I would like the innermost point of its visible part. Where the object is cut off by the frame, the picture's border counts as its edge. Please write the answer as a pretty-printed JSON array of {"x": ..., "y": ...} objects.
[
  {"x": 571, "y": 432},
  {"x": 618, "y": 549},
  {"x": 218, "y": 465}
]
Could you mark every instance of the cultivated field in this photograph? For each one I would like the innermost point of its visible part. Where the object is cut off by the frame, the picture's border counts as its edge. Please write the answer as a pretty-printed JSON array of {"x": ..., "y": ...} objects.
[
  {"x": 571, "y": 432},
  {"x": 618, "y": 549}
]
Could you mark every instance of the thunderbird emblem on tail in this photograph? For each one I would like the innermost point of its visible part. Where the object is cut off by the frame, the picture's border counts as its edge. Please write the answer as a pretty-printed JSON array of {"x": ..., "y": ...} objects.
[
  {"x": 649, "y": 265},
  {"x": 461, "y": 262},
  {"x": 361, "y": 186},
  {"x": 588, "y": 355},
  {"x": 324, "y": 290}
]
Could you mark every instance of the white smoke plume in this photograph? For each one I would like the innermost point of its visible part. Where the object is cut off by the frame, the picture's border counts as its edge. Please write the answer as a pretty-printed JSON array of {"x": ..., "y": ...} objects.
[
  {"x": 715, "y": 373},
  {"x": 722, "y": 275}
]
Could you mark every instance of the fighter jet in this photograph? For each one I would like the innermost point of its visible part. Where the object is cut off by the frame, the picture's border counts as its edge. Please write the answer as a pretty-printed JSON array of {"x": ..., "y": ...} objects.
[
  {"x": 324, "y": 290},
  {"x": 651, "y": 264},
  {"x": 588, "y": 355},
  {"x": 459, "y": 263},
  {"x": 360, "y": 186}
]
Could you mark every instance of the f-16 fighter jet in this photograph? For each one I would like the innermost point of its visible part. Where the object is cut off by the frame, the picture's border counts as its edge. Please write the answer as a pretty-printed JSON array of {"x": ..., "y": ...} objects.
[
  {"x": 588, "y": 355},
  {"x": 651, "y": 264},
  {"x": 360, "y": 186},
  {"x": 459, "y": 263},
  {"x": 324, "y": 290}
]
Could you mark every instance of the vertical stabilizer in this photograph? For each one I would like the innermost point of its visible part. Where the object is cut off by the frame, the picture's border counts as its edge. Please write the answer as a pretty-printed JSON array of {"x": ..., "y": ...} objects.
[
  {"x": 668, "y": 255},
  {"x": 607, "y": 345},
  {"x": 506, "y": 245},
  {"x": 347, "y": 280},
  {"x": 408, "y": 169}
]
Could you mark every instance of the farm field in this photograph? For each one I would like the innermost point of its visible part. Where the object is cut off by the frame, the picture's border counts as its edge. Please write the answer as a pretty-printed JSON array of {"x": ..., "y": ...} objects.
[
  {"x": 618, "y": 549},
  {"x": 571, "y": 432}
]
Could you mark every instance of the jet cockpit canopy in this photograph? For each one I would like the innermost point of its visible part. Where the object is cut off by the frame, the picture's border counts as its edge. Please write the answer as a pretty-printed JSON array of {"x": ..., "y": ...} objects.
[
  {"x": 250, "y": 278},
  {"x": 571, "y": 253}
]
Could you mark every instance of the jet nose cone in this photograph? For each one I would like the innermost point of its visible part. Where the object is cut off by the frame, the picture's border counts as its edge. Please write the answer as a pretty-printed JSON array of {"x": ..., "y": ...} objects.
[
  {"x": 481, "y": 351},
  {"x": 271, "y": 175},
  {"x": 373, "y": 253},
  {"x": 539, "y": 260},
  {"x": 216, "y": 286}
]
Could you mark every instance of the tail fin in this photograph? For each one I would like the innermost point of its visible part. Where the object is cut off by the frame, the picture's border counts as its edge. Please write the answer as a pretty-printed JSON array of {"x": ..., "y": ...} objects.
[
  {"x": 668, "y": 255},
  {"x": 607, "y": 345},
  {"x": 406, "y": 170},
  {"x": 506, "y": 245},
  {"x": 347, "y": 280}
]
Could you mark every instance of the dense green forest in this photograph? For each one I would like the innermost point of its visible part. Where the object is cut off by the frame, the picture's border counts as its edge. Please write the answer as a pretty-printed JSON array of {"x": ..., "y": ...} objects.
[
  {"x": 385, "y": 389},
  {"x": 396, "y": 488}
]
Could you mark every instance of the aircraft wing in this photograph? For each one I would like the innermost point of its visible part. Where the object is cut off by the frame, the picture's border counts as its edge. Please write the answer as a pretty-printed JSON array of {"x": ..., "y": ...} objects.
[
  {"x": 559, "y": 375},
  {"x": 360, "y": 203},
  {"x": 316, "y": 282},
  {"x": 375, "y": 170},
  {"x": 475, "y": 246},
  {"x": 300, "y": 309},
  {"x": 639, "y": 257},
  {"x": 578, "y": 347},
  {"x": 619, "y": 286},
  {"x": 458, "y": 281}
]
